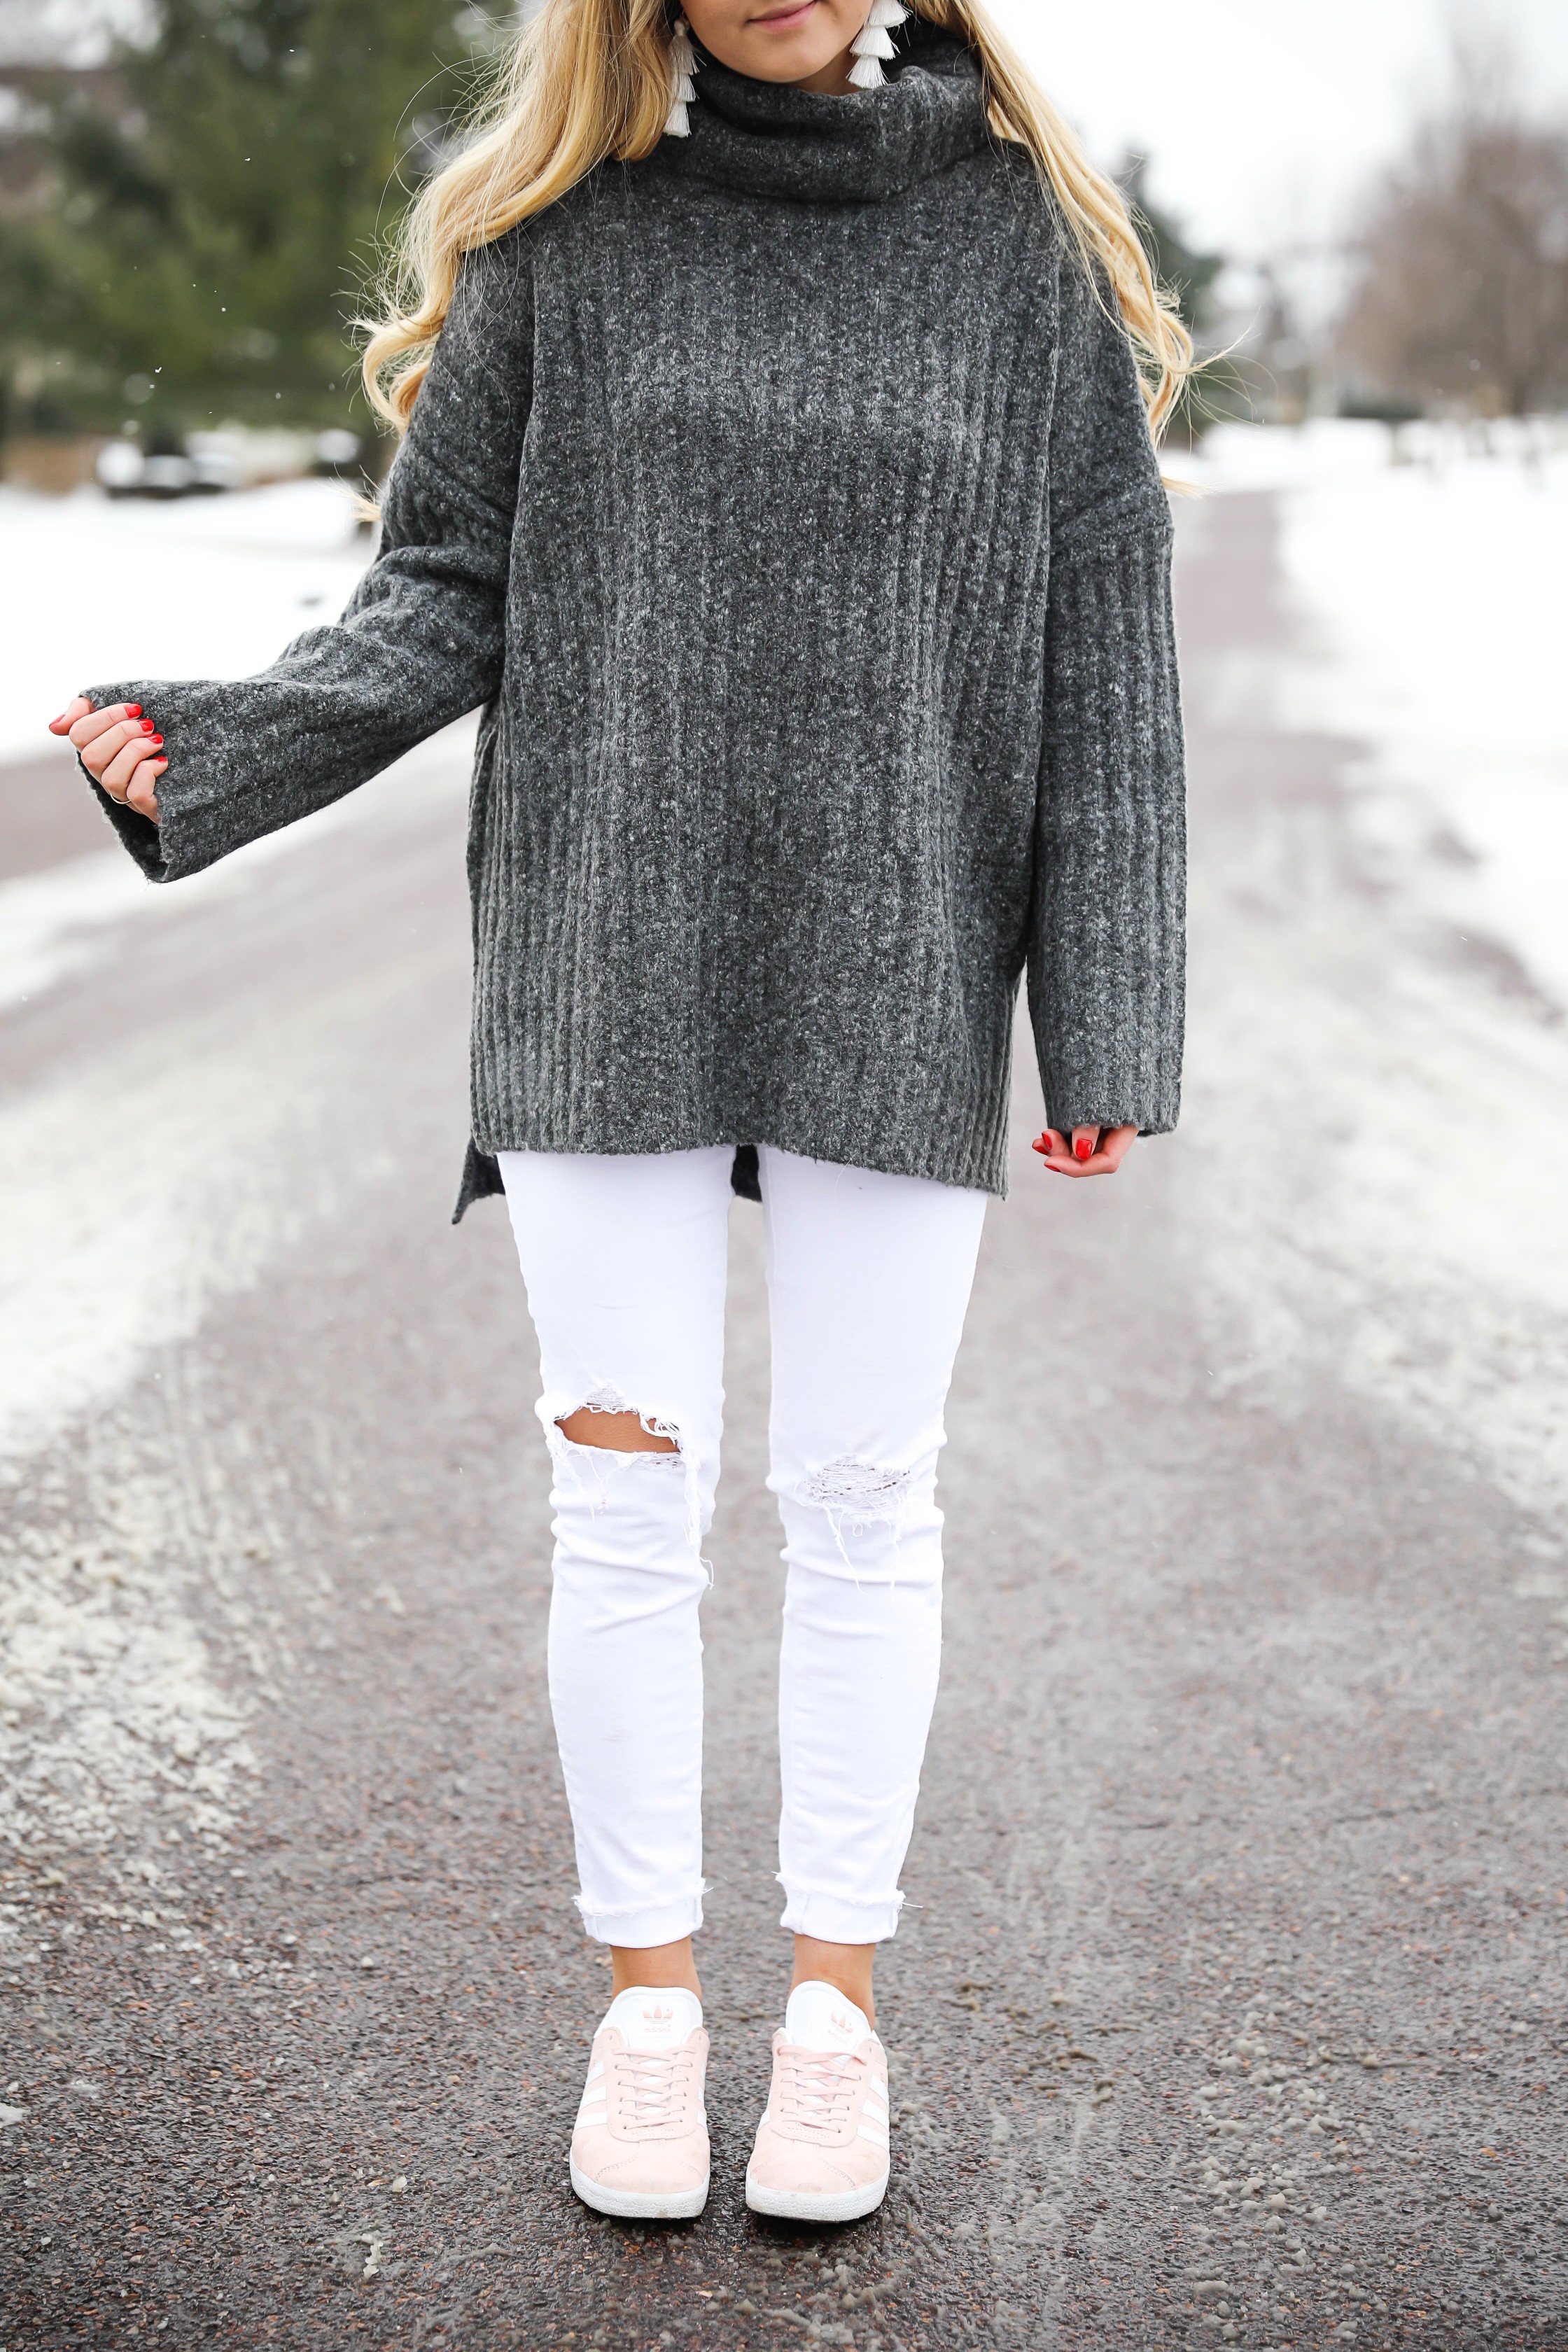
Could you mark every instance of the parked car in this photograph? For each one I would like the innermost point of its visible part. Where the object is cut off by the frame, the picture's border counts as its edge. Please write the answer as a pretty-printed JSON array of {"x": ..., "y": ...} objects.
[{"x": 126, "y": 470}]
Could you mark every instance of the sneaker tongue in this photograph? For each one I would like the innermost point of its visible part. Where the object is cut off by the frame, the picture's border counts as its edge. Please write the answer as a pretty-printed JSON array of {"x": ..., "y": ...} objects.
[
  {"x": 649, "y": 2020},
  {"x": 819, "y": 2017}
]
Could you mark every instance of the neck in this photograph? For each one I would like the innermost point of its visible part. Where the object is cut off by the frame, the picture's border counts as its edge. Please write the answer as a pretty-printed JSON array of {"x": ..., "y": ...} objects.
[{"x": 832, "y": 80}]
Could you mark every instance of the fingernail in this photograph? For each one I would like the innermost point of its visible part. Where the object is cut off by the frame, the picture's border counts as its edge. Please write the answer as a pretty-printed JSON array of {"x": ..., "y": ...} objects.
[
  {"x": 148, "y": 728},
  {"x": 133, "y": 710},
  {"x": 1083, "y": 1148},
  {"x": 157, "y": 739}
]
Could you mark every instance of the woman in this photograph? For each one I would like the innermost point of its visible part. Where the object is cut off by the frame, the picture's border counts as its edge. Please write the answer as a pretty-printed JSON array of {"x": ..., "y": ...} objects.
[{"x": 779, "y": 478}]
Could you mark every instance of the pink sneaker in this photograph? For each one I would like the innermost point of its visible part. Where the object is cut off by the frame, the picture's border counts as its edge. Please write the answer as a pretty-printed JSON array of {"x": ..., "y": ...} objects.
[
  {"x": 641, "y": 2146},
  {"x": 822, "y": 2144}
]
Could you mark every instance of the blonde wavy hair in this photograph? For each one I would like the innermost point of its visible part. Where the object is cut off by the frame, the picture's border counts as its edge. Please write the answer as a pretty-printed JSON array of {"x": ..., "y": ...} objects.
[{"x": 589, "y": 79}]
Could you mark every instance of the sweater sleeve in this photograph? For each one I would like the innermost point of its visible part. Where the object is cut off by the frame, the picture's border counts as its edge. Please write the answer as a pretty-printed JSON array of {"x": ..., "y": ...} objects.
[
  {"x": 421, "y": 640},
  {"x": 1105, "y": 951}
]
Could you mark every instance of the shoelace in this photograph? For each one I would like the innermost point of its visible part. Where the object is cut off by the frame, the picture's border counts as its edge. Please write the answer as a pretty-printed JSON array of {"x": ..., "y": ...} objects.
[
  {"x": 815, "y": 2087},
  {"x": 650, "y": 2083}
]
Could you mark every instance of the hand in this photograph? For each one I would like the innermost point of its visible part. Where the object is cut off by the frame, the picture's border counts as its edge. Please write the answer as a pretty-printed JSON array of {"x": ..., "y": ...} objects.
[
  {"x": 120, "y": 750},
  {"x": 1094, "y": 1150}
]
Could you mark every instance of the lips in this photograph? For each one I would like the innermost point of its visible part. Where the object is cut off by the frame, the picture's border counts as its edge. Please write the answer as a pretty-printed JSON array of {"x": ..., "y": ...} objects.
[{"x": 786, "y": 19}]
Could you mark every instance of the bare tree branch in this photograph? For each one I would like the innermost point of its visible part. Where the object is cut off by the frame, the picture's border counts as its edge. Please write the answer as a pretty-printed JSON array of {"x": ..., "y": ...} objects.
[{"x": 1461, "y": 291}]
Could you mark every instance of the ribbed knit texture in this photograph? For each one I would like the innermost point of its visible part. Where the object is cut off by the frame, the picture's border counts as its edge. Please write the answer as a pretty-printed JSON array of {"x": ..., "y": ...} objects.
[{"x": 787, "y": 500}]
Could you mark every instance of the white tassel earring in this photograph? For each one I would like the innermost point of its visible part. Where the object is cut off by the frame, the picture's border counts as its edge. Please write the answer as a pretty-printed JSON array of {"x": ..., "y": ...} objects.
[
  {"x": 874, "y": 45},
  {"x": 683, "y": 63}
]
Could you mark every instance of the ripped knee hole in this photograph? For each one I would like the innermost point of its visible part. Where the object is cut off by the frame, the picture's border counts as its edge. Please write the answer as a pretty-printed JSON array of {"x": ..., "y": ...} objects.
[
  {"x": 872, "y": 1488},
  {"x": 617, "y": 1432}
]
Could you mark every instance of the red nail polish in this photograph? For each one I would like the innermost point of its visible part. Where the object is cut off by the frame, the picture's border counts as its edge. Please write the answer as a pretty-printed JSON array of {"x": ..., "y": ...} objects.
[
  {"x": 148, "y": 728},
  {"x": 158, "y": 739},
  {"x": 133, "y": 710},
  {"x": 1083, "y": 1148}
]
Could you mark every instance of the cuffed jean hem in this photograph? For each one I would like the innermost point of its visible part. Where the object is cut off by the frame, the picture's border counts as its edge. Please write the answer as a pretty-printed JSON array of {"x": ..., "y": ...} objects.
[
  {"x": 659, "y": 1923},
  {"x": 832, "y": 1920}
]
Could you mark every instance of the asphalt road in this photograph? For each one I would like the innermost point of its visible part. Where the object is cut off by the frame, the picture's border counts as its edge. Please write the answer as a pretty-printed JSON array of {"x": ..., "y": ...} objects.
[{"x": 1228, "y": 2003}]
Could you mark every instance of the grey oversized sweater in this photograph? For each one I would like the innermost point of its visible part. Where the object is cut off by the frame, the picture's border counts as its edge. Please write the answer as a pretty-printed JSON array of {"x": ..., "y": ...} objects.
[{"x": 787, "y": 502}]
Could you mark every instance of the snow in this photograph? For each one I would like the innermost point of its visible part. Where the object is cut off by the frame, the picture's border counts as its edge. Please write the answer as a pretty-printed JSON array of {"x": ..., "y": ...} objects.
[
  {"x": 146, "y": 1137},
  {"x": 128, "y": 1715},
  {"x": 117, "y": 1717},
  {"x": 1432, "y": 599},
  {"x": 1399, "y": 1044},
  {"x": 80, "y": 1306},
  {"x": 69, "y": 919},
  {"x": 150, "y": 1179},
  {"x": 204, "y": 587}
]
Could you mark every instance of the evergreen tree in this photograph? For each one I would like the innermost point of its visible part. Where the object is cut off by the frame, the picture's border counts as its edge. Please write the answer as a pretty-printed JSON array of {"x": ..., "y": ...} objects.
[
  {"x": 207, "y": 215},
  {"x": 1182, "y": 271},
  {"x": 1223, "y": 388}
]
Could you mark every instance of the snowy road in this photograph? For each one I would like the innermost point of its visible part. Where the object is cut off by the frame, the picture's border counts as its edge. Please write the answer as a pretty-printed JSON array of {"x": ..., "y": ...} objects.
[{"x": 1228, "y": 2004}]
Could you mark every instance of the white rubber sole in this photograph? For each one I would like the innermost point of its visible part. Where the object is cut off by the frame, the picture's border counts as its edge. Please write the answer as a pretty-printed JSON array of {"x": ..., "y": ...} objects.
[
  {"x": 800, "y": 2205},
  {"x": 635, "y": 2205}
]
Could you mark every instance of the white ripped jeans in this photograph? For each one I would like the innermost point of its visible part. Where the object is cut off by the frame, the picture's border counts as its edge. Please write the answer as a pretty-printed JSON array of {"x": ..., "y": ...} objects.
[{"x": 869, "y": 1281}]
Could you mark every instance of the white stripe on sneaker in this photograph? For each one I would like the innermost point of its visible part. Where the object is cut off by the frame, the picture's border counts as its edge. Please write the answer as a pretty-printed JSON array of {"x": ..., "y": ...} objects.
[
  {"x": 662, "y": 2088},
  {"x": 826, "y": 2108}
]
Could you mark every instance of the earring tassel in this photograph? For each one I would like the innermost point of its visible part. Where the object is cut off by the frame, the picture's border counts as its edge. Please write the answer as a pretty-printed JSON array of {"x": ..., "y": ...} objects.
[
  {"x": 873, "y": 44},
  {"x": 683, "y": 65}
]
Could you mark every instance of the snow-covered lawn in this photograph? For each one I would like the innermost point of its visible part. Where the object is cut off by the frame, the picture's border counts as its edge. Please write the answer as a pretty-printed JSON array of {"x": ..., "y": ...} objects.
[
  {"x": 1398, "y": 1047},
  {"x": 1434, "y": 596},
  {"x": 213, "y": 587}
]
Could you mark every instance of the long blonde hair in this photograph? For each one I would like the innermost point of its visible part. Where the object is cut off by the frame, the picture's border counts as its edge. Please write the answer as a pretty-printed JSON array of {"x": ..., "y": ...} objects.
[{"x": 587, "y": 79}]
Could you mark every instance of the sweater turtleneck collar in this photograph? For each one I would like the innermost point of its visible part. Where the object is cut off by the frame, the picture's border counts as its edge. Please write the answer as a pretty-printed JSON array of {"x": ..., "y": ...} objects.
[{"x": 771, "y": 140}]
